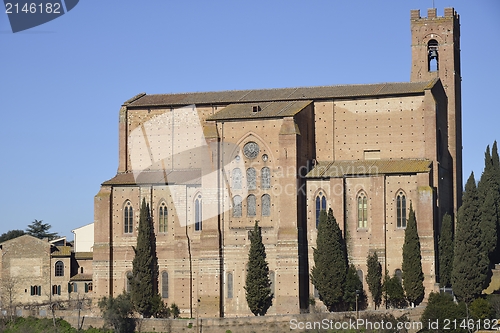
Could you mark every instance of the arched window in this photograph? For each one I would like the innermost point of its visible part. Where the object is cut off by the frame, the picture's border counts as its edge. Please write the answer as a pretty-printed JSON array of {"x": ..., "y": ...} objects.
[
  {"x": 128, "y": 218},
  {"x": 236, "y": 179},
  {"x": 229, "y": 285},
  {"x": 265, "y": 175},
  {"x": 164, "y": 284},
  {"x": 59, "y": 268},
  {"x": 237, "y": 208},
  {"x": 320, "y": 205},
  {"x": 266, "y": 205},
  {"x": 399, "y": 274},
  {"x": 128, "y": 278},
  {"x": 251, "y": 205},
  {"x": 163, "y": 218},
  {"x": 362, "y": 210},
  {"x": 56, "y": 290},
  {"x": 401, "y": 210},
  {"x": 198, "y": 214},
  {"x": 251, "y": 179},
  {"x": 433, "y": 56},
  {"x": 360, "y": 275},
  {"x": 90, "y": 287}
]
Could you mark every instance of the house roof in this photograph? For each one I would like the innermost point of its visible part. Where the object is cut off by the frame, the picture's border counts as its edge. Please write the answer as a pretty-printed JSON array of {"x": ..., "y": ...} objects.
[
  {"x": 81, "y": 277},
  {"x": 280, "y": 94},
  {"x": 84, "y": 255},
  {"x": 261, "y": 110},
  {"x": 171, "y": 177},
  {"x": 61, "y": 251},
  {"x": 338, "y": 169}
]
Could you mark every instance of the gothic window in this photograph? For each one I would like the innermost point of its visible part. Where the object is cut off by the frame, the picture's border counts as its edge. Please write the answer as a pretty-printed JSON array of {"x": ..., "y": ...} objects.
[
  {"x": 362, "y": 210},
  {"x": 128, "y": 277},
  {"x": 360, "y": 275},
  {"x": 59, "y": 268},
  {"x": 229, "y": 285},
  {"x": 265, "y": 175},
  {"x": 36, "y": 290},
  {"x": 163, "y": 218},
  {"x": 236, "y": 179},
  {"x": 401, "y": 210},
  {"x": 89, "y": 287},
  {"x": 197, "y": 214},
  {"x": 266, "y": 205},
  {"x": 128, "y": 218},
  {"x": 237, "y": 208},
  {"x": 271, "y": 278},
  {"x": 164, "y": 284},
  {"x": 251, "y": 179},
  {"x": 399, "y": 274},
  {"x": 251, "y": 205},
  {"x": 320, "y": 205}
]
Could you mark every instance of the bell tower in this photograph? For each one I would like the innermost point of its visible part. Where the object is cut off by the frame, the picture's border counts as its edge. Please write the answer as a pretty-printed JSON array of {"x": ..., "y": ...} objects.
[{"x": 435, "y": 49}]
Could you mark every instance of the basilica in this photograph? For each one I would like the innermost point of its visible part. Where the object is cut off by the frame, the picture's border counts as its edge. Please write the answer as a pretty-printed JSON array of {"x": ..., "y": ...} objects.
[{"x": 210, "y": 164}]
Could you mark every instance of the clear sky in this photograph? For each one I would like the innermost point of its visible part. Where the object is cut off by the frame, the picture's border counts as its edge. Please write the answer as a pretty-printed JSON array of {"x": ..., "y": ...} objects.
[{"x": 62, "y": 83}]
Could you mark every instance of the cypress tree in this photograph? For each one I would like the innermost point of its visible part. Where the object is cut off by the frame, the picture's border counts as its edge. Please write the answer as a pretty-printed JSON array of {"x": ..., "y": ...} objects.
[
  {"x": 257, "y": 284},
  {"x": 353, "y": 290},
  {"x": 330, "y": 262},
  {"x": 144, "y": 280},
  {"x": 445, "y": 252},
  {"x": 413, "y": 276},
  {"x": 470, "y": 262},
  {"x": 393, "y": 292},
  {"x": 374, "y": 278}
]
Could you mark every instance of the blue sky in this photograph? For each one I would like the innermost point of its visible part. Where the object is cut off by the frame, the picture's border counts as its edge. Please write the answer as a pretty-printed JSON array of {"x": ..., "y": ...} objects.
[{"x": 62, "y": 83}]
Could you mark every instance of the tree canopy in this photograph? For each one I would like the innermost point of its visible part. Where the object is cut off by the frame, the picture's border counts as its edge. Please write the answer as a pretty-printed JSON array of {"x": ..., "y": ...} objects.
[
  {"x": 11, "y": 234},
  {"x": 445, "y": 252},
  {"x": 40, "y": 230},
  {"x": 374, "y": 278}
]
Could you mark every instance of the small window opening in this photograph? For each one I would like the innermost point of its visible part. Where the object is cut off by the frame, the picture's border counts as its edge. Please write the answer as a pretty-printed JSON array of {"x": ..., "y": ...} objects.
[{"x": 256, "y": 108}]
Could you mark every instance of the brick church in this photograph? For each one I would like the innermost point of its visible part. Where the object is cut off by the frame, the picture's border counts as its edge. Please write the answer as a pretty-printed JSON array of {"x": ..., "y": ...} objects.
[{"x": 210, "y": 164}]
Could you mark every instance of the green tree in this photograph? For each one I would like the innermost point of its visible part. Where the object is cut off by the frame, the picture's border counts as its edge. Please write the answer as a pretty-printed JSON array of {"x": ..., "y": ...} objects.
[
  {"x": 40, "y": 230},
  {"x": 393, "y": 292},
  {"x": 257, "y": 284},
  {"x": 144, "y": 281},
  {"x": 11, "y": 234},
  {"x": 470, "y": 262},
  {"x": 353, "y": 291},
  {"x": 481, "y": 309},
  {"x": 413, "y": 276},
  {"x": 445, "y": 251},
  {"x": 117, "y": 312},
  {"x": 374, "y": 278},
  {"x": 441, "y": 309},
  {"x": 330, "y": 262}
]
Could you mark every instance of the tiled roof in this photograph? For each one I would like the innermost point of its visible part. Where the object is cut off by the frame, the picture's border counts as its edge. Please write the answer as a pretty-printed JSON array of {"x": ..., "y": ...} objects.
[
  {"x": 61, "y": 251},
  {"x": 171, "y": 177},
  {"x": 261, "y": 110},
  {"x": 281, "y": 94},
  {"x": 337, "y": 169},
  {"x": 84, "y": 255},
  {"x": 81, "y": 277}
]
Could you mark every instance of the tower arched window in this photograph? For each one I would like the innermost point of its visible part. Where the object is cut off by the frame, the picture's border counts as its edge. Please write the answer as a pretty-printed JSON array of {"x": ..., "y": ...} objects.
[
  {"x": 251, "y": 179},
  {"x": 237, "y": 207},
  {"x": 266, "y": 205},
  {"x": 236, "y": 178},
  {"x": 265, "y": 175},
  {"x": 401, "y": 210},
  {"x": 432, "y": 55},
  {"x": 128, "y": 218},
  {"x": 362, "y": 210},
  {"x": 163, "y": 218},
  {"x": 320, "y": 205},
  {"x": 251, "y": 205},
  {"x": 198, "y": 219},
  {"x": 59, "y": 268},
  {"x": 164, "y": 284}
]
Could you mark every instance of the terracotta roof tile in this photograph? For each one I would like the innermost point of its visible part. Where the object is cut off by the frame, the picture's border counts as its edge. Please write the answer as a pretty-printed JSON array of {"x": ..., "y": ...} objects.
[
  {"x": 186, "y": 177},
  {"x": 81, "y": 277},
  {"x": 262, "y": 110},
  {"x": 281, "y": 94},
  {"x": 337, "y": 169}
]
